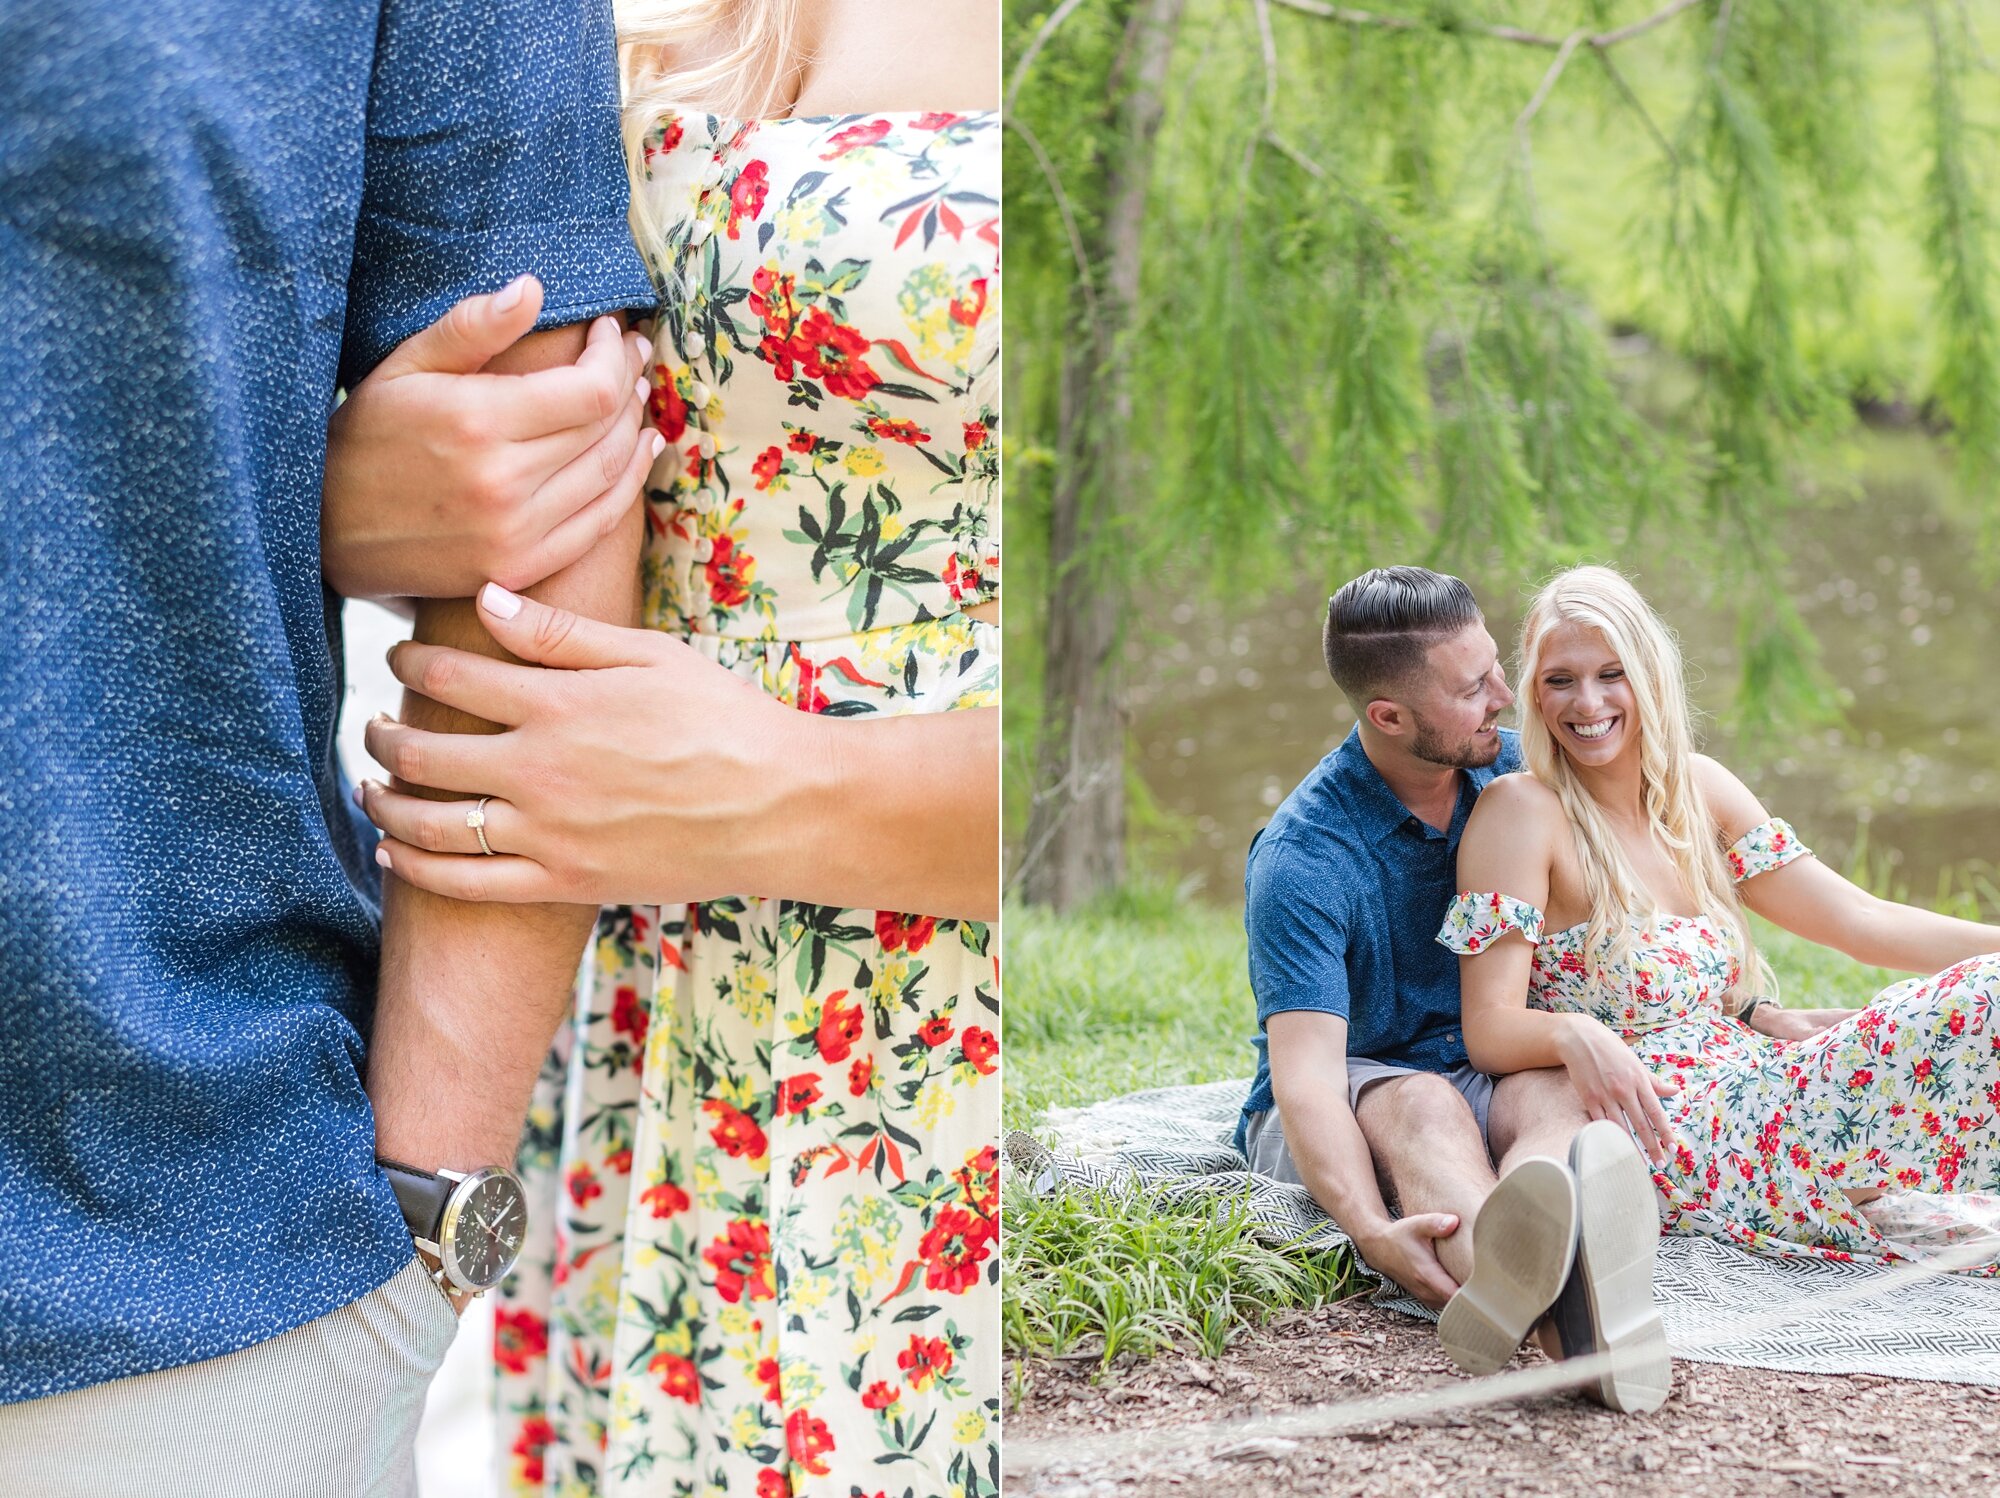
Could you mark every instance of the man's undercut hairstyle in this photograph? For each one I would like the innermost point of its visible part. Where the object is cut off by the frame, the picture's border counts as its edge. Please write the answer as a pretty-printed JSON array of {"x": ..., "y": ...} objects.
[{"x": 1380, "y": 626}]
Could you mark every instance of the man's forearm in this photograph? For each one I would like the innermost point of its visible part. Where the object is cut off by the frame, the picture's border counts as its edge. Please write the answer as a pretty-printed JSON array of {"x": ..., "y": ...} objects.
[
  {"x": 470, "y": 995},
  {"x": 1334, "y": 1161}
]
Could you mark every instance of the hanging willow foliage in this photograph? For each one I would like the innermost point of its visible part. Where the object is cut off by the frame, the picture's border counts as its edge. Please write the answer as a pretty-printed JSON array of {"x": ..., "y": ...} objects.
[{"x": 1361, "y": 330}]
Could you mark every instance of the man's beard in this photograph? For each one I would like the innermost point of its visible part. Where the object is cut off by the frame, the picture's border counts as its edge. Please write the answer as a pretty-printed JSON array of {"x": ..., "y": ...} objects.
[{"x": 1462, "y": 754}]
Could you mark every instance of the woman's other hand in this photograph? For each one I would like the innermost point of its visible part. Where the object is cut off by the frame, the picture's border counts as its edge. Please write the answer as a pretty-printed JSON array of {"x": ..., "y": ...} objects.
[
  {"x": 439, "y": 476},
  {"x": 637, "y": 772},
  {"x": 1613, "y": 1083},
  {"x": 1796, "y": 1024}
]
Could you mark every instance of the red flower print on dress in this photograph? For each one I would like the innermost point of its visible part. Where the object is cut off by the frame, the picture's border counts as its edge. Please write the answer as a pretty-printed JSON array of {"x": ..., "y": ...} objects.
[
  {"x": 746, "y": 196},
  {"x": 839, "y": 1027},
  {"x": 854, "y": 138},
  {"x": 935, "y": 120},
  {"x": 665, "y": 407},
  {"x": 771, "y": 1483},
  {"x": 981, "y": 1046},
  {"x": 735, "y": 1132},
  {"x": 678, "y": 1378},
  {"x": 879, "y": 1395},
  {"x": 770, "y": 463},
  {"x": 861, "y": 1076},
  {"x": 797, "y": 1094},
  {"x": 519, "y": 1337},
  {"x": 583, "y": 1187},
  {"x": 962, "y": 579},
  {"x": 831, "y": 352},
  {"x": 665, "y": 1199},
  {"x": 729, "y": 573},
  {"x": 808, "y": 1440},
  {"x": 772, "y": 300},
  {"x": 967, "y": 311},
  {"x": 672, "y": 136},
  {"x": 975, "y": 435},
  {"x": 769, "y": 1376},
  {"x": 904, "y": 933},
  {"x": 906, "y": 432},
  {"x": 530, "y": 1442},
  {"x": 619, "y": 1161},
  {"x": 741, "y": 1259},
  {"x": 925, "y": 1360},
  {"x": 935, "y": 1031},
  {"x": 954, "y": 1248},
  {"x": 801, "y": 442},
  {"x": 628, "y": 1015}
]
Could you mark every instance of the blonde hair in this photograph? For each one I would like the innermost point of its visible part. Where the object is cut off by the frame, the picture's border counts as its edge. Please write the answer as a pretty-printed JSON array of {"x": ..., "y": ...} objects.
[
  {"x": 1676, "y": 812},
  {"x": 739, "y": 59}
]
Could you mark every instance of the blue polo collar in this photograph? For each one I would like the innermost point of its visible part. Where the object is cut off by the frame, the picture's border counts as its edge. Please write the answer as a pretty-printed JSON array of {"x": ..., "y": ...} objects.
[{"x": 1375, "y": 807}]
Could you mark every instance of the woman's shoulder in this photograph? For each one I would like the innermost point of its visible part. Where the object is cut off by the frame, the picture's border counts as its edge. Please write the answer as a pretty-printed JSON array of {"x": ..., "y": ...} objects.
[
  {"x": 1516, "y": 810},
  {"x": 1518, "y": 796},
  {"x": 1732, "y": 806}
]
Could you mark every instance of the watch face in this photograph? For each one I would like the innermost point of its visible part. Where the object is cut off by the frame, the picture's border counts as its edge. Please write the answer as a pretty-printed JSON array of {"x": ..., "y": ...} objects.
[{"x": 484, "y": 1225}]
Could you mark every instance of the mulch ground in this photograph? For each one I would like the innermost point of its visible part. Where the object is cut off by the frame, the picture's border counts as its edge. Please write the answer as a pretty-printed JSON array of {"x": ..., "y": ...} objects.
[{"x": 1725, "y": 1433}]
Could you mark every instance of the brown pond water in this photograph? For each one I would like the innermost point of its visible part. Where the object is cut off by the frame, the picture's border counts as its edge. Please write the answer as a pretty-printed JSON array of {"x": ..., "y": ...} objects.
[{"x": 1232, "y": 708}]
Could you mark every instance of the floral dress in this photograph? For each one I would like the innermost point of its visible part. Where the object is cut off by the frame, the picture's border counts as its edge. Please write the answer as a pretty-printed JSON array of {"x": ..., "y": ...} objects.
[
  {"x": 1901, "y": 1096},
  {"x": 764, "y": 1150}
]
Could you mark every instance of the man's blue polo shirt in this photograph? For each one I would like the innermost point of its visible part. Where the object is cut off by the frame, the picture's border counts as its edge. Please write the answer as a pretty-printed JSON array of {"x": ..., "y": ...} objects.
[
  {"x": 1343, "y": 895},
  {"x": 211, "y": 211}
]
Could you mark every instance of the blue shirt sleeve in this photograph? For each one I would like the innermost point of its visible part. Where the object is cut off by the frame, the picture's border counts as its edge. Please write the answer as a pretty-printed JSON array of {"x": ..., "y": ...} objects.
[
  {"x": 492, "y": 149},
  {"x": 1298, "y": 936}
]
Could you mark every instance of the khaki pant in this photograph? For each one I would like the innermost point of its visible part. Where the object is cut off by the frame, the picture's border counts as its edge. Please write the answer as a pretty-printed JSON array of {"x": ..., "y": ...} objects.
[{"x": 327, "y": 1410}]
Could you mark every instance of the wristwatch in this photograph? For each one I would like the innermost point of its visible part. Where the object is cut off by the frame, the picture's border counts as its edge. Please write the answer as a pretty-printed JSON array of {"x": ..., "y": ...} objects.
[{"x": 472, "y": 1223}]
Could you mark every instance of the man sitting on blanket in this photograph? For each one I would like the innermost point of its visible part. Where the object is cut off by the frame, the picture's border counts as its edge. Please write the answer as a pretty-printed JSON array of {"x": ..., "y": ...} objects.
[{"x": 1364, "y": 1094}]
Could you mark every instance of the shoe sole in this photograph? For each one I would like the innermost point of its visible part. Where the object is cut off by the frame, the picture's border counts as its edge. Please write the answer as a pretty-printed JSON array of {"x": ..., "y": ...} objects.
[
  {"x": 1522, "y": 1244},
  {"x": 1618, "y": 1235}
]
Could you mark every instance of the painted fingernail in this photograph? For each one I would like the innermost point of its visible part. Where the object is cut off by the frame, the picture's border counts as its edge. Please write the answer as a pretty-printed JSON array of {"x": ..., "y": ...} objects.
[
  {"x": 645, "y": 348},
  {"x": 382, "y": 856},
  {"x": 659, "y": 444},
  {"x": 642, "y": 390},
  {"x": 360, "y": 797},
  {"x": 498, "y": 602},
  {"x": 509, "y": 296}
]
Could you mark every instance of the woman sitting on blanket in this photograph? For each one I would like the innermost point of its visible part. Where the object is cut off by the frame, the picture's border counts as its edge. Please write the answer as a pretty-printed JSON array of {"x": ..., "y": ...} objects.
[{"x": 1602, "y": 929}]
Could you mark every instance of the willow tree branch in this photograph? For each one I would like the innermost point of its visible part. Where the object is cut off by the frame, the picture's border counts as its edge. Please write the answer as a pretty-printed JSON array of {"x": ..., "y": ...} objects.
[
  {"x": 1033, "y": 50},
  {"x": 1054, "y": 179},
  {"x": 1638, "y": 107},
  {"x": 1515, "y": 34},
  {"x": 1563, "y": 55}
]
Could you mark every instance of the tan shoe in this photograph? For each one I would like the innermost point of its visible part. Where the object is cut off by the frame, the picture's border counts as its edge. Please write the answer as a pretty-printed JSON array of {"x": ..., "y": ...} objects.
[
  {"x": 1607, "y": 1304},
  {"x": 1523, "y": 1242}
]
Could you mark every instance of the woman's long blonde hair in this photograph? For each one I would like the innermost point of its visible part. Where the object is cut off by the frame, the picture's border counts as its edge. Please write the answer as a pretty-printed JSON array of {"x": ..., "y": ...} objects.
[
  {"x": 1601, "y": 599},
  {"x": 736, "y": 58}
]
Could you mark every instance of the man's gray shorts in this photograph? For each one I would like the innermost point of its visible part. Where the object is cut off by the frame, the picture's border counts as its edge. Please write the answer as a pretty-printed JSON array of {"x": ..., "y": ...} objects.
[
  {"x": 327, "y": 1410},
  {"x": 1264, "y": 1133}
]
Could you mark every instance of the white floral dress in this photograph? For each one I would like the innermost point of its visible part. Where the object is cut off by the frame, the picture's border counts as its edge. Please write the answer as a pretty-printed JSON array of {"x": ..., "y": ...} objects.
[
  {"x": 763, "y": 1154},
  {"x": 1900, "y": 1097}
]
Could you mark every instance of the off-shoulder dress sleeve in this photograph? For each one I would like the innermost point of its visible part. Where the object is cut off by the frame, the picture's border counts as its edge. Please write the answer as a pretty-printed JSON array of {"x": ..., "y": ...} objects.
[
  {"x": 1767, "y": 846},
  {"x": 1478, "y": 918}
]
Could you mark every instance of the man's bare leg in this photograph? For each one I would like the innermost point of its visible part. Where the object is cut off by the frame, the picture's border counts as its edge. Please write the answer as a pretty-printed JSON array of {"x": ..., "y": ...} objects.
[
  {"x": 1533, "y": 1113},
  {"x": 1426, "y": 1145}
]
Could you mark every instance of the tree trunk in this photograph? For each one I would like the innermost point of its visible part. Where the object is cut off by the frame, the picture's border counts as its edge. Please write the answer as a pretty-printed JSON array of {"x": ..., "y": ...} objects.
[{"x": 1075, "y": 845}]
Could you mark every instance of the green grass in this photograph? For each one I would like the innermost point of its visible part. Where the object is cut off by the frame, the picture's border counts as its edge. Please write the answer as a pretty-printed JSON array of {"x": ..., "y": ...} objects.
[{"x": 1146, "y": 990}]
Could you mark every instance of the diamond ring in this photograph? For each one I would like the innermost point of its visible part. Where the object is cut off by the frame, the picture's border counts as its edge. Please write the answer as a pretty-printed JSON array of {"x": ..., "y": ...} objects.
[{"x": 476, "y": 820}]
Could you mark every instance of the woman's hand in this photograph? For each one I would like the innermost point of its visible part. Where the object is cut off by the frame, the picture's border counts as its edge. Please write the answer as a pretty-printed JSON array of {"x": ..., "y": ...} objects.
[
  {"x": 1796, "y": 1024},
  {"x": 637, "y": 772},
  {"x": 1613, "y": 1083},
  {"x": 439, "y": 477}
]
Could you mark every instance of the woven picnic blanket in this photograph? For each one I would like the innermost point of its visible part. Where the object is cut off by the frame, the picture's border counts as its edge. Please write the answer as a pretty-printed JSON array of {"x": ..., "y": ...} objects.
[{"x": 1177, "y": 1140}]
